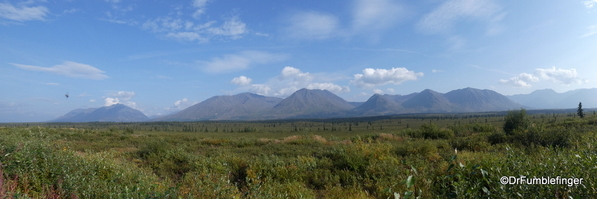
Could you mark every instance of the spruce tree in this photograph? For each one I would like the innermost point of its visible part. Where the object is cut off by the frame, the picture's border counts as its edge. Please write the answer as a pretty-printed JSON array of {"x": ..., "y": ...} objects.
[{"x": 579, "y": 111}]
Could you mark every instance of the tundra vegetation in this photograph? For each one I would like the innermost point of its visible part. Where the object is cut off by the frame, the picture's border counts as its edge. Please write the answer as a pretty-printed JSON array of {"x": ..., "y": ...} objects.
[{"x": 417, "y": 156}]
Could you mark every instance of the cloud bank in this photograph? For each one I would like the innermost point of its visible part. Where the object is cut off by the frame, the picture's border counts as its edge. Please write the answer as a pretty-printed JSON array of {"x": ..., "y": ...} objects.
[
  {"x": 241, "y": 81},
  {"x": 444, "y": 17},
  {"x": 69, "y": 69},
  {"x": 553, "y": 74},
  {"x": 376, "y": 77},
  {"x": 287, "y": 82},
  {"x": 121, "y": 97},
  {"x": 23, "y": 12}
]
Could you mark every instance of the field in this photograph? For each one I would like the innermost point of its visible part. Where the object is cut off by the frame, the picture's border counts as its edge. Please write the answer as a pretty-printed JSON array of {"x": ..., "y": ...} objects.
[{"x": 410, "y": 156}]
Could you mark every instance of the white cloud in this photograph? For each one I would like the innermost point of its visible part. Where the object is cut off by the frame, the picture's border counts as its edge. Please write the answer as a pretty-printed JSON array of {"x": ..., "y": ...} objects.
[
  {"x": 111, "y": 101},
  {"x": 559, "y": 76},
  {"x": 234, "y": 28},
  {"x": 374, "y": 15},
  {"x": 92, "y": 100},
  {"x": 181, "y": 104},
  {"x": 590, "y": 3},
  {"x": 295, "y": 75},
  {"x": 166, "y": 24},
  {"x": 369, "y": 17},
  {"x": 69, "y": 69},
  {"x": 377, "y": 91},
  {"x": 522, "y": 80},
  {"x": 187, "y": 36},
  {"x": 329, "y": 86},
  {"x": 290, "y": 80},
  {"x": 22, "y": 13},
  {"x": 125, "y": 95},
  {"x": 241, "y": 81},
  {"x": 262, "y": 34},
  {"x": 375, "y": 77},
  {"x": 391, "y": 90},
  {"x": 200, "y": 5},
  {"x": 175, "y": 27},
  {"x": 446, "y": 15},
  {"x": 312, "y": 25},
  {"x": 70, "y": 11},
  {"x": 121, "y": 97},
  {"x": 436, "y": 71},
  {"x": 261, "y": 89},
  {"x": 241, "y": 61}
]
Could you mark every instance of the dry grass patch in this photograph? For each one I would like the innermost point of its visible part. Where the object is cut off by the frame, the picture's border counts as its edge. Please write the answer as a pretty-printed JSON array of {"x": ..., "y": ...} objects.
[
  {"x": 320, "y": 139},
  {"x": 291, "y": 139},
  {"x": 389, "y": 137}
]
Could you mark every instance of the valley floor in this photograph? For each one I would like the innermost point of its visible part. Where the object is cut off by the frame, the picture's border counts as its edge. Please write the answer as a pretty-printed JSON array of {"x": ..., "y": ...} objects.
[{"x": 429, "y": 157}]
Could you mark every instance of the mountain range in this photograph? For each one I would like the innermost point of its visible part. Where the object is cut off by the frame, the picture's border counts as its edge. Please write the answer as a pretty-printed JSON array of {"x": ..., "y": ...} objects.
[
  {"x": 549, "y": 99},
  {"x": 114, "y": 113},
  {"x": 307, "y": 103},
  {"x": 236, "y": 107}
]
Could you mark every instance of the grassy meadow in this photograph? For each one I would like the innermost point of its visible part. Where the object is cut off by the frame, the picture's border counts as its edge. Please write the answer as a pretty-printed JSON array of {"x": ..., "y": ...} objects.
[{"x": 416, "y": 156}]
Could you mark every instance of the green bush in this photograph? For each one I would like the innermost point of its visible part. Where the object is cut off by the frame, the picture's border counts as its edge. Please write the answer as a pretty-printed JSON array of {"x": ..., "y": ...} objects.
[
  {"x": 471, "y": 143},
  {"x": 429, "y": 131},
  {"x": 469, "y": 129},
  {"x": 39, "y": 170},
  {"x": 553, "y": 137},
  {"x": 497, "y": 138},
  {"x": 516, "y": 121}
]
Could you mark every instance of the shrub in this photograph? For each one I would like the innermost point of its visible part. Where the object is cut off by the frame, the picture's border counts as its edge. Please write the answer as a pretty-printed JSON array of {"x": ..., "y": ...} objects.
[
  {"x": 348, "y": 160},
  {"x": 554, "y": 137},
  {"x": 431, "y": 131},
  {"x": 516, "y": 121},
  {"x": 497, "y": 138},
  {"x": 471, "y": 143}
]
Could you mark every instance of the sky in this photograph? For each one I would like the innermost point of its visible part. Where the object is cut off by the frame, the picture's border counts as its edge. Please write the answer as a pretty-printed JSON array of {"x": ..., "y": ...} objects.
[{"x": 163, "y": 56}]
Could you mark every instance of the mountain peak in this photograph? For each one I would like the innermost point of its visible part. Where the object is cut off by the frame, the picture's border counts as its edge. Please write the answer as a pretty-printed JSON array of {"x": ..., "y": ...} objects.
[
  {"x": 117, "y": 105},
  {"x": 113, "y": 113},
  {"x": 310, "y": 103},
  {"x": 429, "y": 101},
  {"x": 472, "y": 99},
  {"x": 226, "y": 107},
  {"x": 378, "y": 105},
  {"x": 550, "y": 99}
]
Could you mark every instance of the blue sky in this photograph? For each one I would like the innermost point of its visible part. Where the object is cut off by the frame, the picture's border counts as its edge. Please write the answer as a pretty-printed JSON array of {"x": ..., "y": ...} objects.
[{"x": 163, "y": 56}]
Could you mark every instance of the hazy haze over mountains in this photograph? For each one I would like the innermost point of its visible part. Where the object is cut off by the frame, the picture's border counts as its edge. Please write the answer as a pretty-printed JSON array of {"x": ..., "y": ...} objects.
[{"x": 549, "y": 99}]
